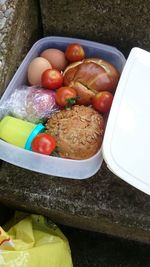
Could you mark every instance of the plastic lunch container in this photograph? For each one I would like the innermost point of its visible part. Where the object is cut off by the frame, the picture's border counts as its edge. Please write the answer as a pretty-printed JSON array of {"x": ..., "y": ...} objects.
[{"x": 125, "y": 149}]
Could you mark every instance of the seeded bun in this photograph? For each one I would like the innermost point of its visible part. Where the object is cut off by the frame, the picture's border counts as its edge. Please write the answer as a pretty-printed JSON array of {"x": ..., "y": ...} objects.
[{"x": 78, "y": 132}]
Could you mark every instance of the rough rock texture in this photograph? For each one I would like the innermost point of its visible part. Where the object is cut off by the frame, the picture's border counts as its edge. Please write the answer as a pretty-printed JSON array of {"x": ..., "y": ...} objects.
[
  {"x": 123, "y": 24},
  {"x": 103, "y": 203},
  {"x": 19, "y": 28}
]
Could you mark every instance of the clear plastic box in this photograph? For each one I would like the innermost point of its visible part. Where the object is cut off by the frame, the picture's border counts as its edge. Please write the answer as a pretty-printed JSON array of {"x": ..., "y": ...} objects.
[{"x": 76, "y": 169}]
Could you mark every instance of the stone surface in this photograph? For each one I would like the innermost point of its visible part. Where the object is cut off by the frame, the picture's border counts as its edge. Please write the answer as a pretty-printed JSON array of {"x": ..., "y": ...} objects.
[
  {"x": 19, "y": 28},
  {"x": 123, "y": 24},
  {"x": 103, "y": 203}
]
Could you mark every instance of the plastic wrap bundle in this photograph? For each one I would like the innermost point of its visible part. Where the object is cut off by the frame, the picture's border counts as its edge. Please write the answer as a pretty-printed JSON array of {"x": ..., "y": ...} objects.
[{"x": 32, "y": 103}]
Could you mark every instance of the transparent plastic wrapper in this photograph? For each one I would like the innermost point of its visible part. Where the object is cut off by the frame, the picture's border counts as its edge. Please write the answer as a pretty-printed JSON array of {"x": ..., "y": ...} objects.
[
  {"x": 31, "y": 103},
  {"x": 33, "y": 241}
]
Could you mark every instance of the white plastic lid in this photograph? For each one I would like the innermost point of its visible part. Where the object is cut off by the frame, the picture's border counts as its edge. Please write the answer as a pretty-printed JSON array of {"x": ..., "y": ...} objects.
[{"x": 126, "y": 145}]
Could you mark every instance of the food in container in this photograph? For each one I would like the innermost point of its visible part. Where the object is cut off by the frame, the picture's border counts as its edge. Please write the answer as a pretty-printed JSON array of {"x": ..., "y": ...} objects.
[
  {"x": 91, "y": 76},
  {"x": 30, "y": 103},
  {"x": 56, "y": 58},
  {"x": 64, "y": 167},
  {"x": 78, "y": 132},
  {"x": 36, "y": 68}
]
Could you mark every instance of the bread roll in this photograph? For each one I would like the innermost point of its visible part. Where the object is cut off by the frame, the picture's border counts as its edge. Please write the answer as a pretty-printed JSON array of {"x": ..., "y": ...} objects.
[
  {"x": 91, "y": 76},
  {"x": 78, "y": 131}
]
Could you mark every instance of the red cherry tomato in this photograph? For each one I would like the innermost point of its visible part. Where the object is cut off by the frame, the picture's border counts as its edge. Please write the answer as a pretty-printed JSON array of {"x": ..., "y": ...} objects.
[
  {"x": 43, "y": 143},
  {"x": 66, "y": 96},
  {"x": 51, "y": 79},
  {"x": 102, "y": 101},
  {"x": 74, "y": 52}
]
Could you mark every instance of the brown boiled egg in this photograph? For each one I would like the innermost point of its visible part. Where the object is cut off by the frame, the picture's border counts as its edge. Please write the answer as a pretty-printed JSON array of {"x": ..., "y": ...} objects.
[
  {"x": 56, "y": 58},
  {"x": 35, "y": 69}
]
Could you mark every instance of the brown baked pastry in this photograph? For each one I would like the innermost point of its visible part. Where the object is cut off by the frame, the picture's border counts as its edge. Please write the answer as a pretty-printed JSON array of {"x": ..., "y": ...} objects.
[
  {"x": 78, "y": 131},
  {"x": 91, "y": 76}
]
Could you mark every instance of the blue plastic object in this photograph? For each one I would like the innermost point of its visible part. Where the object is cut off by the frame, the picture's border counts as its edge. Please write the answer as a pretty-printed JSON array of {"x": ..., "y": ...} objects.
[{"x": 38, "y": 129}]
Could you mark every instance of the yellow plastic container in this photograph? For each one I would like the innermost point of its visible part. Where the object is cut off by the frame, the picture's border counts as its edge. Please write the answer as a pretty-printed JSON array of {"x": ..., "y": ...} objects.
[{"x": 19, "y": 132}]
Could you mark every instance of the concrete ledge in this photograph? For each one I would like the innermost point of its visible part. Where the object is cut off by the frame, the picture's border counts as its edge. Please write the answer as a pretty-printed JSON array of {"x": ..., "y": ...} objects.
[{"x": 102, "y": 203}]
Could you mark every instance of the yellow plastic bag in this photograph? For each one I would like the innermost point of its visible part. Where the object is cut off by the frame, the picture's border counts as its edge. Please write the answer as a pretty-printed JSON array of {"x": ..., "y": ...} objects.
[{"x": 34, "y": 242}]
